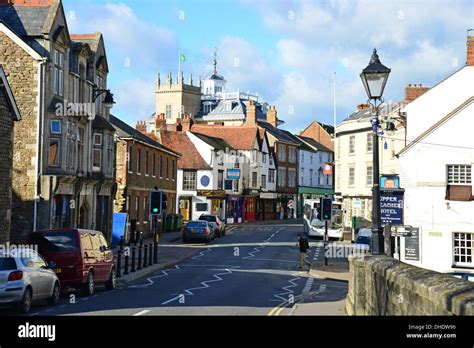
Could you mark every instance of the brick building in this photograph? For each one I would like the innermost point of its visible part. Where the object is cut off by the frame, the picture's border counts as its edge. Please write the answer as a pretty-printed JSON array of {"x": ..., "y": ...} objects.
[
  {"x": 143, "y": 164},
  {"x": 8, "y": 114},
  {"x": 63, "y": 148}
]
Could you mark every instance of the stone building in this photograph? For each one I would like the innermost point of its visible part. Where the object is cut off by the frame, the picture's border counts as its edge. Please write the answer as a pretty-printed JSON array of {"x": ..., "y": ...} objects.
[
  {"x": 8, "y": 114},
  {"x": 143, "y": 164},
  {"x": 64, "y": 146}
]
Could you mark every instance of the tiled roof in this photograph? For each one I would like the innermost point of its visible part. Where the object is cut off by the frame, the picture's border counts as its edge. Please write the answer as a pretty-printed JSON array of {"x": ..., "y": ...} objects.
[
  {"x": 277, "y": 133},
  {"x": 314, "y": 143},
  {"x": 303, "y": 145},
  {"x": 100, "y": 122},
  {"x": 25, "y": 20},
  {"x": 180, "y": 142},
  {"x": 239, "y": 137},
  {"x": 126, "y": 131},
  {"x": 216, "y": 143}
]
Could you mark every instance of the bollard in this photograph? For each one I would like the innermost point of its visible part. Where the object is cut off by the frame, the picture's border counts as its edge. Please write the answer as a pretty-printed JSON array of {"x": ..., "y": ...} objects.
[
  {"x": 133, "y": 260},
  {"x": 125, "y": 271},
  {"x": 140, "y": 251},
  {"x": 119, "y": 264},
  {"x": 155, "y": 252},
  {"x": 150, "y": 254},
  {"x": 145, "y": 256}
]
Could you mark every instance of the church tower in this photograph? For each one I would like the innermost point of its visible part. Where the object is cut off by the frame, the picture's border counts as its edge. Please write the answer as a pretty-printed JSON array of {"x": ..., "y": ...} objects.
[{"x": 174, "y": 99}]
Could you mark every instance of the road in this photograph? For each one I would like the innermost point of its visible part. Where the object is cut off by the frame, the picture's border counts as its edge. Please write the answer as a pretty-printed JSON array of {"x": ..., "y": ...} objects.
[{"x": 253, "y": 270}]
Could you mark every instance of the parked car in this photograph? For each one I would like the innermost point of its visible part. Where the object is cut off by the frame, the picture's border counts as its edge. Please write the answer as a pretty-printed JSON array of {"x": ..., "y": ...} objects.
[
  {"x": 363, "y": 239},
  {"x": 25, "y": 277},
  {"x": 464, "y": 276},
  {"x": 218, "y": 224},
  {"x": 81, "y": 258},
  {"x": 198, "y": 230}
]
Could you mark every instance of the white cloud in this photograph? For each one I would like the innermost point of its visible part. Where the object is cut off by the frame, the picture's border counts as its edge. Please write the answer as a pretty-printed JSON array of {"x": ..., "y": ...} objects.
[
  {"x": 127, "y": 36},
  {"x": 421, "y": 41},
  {"x": 247, "y": 67},
  {"x": 135, "y": 99}
]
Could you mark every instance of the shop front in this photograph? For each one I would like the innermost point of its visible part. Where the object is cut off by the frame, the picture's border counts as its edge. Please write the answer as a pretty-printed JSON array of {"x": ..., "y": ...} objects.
[
  {"x": 250, "y": 205},
  {"x": 234, "y": 208},
  {"x": 216, "y": 201},
  {"x": 286, "y": 205},
  {"x": 268, "y": 206},
  {"x": 311, "y": 193}
]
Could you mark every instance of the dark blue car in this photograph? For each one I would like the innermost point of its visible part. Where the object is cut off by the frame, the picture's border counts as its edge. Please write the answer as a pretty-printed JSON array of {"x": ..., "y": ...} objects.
[{"x": 198, "y": 230}]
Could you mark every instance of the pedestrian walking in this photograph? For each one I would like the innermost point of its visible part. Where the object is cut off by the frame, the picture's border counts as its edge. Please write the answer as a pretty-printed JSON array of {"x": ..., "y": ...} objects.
[
  {"x": 303, "y": 245},
  {"x": 282, "y": 213}
]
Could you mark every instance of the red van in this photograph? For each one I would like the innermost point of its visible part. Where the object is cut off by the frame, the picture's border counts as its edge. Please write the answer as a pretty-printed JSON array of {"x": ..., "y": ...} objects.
[{"x": 80, "y": 258}]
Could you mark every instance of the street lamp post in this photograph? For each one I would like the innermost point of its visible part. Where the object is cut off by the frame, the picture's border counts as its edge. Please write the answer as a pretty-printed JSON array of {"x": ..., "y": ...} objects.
[{"x": 374, "y": 77}]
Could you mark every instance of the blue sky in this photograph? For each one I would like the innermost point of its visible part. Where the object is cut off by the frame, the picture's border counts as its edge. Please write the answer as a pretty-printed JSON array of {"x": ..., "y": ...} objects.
[{"x": 287, "y": 51}]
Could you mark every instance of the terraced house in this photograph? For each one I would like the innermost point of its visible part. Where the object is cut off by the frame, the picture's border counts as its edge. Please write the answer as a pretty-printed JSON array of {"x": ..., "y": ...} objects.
[{"x": 63, "y": 170}]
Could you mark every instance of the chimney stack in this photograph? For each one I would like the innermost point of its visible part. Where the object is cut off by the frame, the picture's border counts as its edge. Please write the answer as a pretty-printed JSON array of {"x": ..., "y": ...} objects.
[
  {"x": 141, "y": 127},
  {"x": 160, "y": 122},
  {"x": 470, "y": 51},
  {"x": 251, "y": 118},
  {"x": 186, "y": 123},
  {"x": 413, "y": 91},
  {"x": 272, "y": 116},
  {"x": 362, "y": 107}
]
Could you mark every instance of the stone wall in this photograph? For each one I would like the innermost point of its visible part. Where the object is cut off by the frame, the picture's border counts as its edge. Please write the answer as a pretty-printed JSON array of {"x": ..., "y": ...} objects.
[
  {"x": 6, "y": 157},
  {"x": 380, "y": 285},
  {"x": 22, "y": 74}
]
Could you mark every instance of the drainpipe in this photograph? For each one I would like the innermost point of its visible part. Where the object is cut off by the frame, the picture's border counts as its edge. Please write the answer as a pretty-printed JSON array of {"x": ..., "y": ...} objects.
[{"x": 39, "y": 140}]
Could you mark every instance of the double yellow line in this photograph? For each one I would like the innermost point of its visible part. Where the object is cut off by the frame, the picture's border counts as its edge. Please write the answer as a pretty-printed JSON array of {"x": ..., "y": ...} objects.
[{"x": 277, "y": 310}]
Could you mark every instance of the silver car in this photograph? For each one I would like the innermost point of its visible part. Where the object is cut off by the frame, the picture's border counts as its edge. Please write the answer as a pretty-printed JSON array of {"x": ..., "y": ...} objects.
[{"x": 25, "y": 277}]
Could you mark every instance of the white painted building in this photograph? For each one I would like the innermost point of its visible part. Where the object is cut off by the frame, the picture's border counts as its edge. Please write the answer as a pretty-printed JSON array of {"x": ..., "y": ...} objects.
[
  {"x": 354, "y": 160},
  {"x": 436, "y": 172}
]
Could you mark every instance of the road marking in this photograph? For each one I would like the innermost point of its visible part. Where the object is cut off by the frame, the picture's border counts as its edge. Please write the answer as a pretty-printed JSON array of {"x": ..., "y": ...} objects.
[
  {"x": 201, "y": 254},
  {"x": 252, "y": 253},
  {"x": 189, "y": 292},
  {"x": 164, "y": 273},
  {"x": 276, "y": 260},
  {"x": 141, "y": 313},
  {"x": 220, "y": 266}
]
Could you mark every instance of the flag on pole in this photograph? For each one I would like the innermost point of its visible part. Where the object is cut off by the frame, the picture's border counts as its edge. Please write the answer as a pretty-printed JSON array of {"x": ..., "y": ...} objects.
[{"x": 182, "y": 57}]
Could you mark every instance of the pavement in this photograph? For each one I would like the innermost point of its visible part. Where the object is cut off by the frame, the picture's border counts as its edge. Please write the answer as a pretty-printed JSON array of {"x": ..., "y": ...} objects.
[{"x": 253, "y": 270}]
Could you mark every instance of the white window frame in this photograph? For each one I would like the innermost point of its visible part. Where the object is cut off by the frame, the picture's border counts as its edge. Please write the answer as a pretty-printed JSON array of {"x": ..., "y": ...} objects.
[
  {"x": 369, "y": 176},
  {"x": 351, "y": 181},
  {"x": 370, "y": 143},
  {"x": 169, "y": 111},
  {"x": 189, "y": 183},
  {"x": 351, "y": 144},
  {"x": 461, "y": 251},
  {"x": 459, "y": 174}
]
